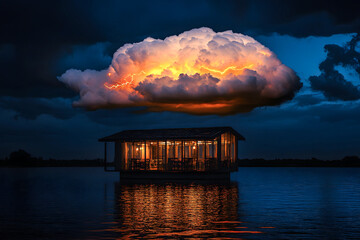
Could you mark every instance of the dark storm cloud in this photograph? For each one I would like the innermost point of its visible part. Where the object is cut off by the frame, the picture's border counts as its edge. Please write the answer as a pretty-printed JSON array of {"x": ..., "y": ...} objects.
[
  {"x": 296, "y": 18},
  {"x": 31, "y": 108},
  {"x": 331, "y": 82},
  {"x": 41, "y": 32},
  {"x": 307, "y": 100}
]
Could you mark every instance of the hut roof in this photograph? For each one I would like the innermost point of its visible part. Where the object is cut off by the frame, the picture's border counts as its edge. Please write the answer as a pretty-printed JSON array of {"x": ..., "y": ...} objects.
[{"x": 208, "y": 133}]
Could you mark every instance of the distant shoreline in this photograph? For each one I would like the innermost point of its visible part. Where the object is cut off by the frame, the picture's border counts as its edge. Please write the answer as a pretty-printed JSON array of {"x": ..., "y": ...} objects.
[
  {"x": 21, "y": 158},
  {"x": 52, "y": 163}
]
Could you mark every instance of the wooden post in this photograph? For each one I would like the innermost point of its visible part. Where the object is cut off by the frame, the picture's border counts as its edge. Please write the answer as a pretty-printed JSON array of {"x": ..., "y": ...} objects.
[
  {"x": 219, "y": 153},
  {"x": 205, "y": 142},
  {"x": 145, "y": 155},
  {"x": 182, "y": 153},
  {"x": 197, "y": 155}
]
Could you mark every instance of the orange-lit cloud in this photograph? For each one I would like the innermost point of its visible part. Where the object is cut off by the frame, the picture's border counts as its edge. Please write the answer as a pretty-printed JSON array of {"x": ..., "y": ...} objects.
[{"x": 198, "y": 72}]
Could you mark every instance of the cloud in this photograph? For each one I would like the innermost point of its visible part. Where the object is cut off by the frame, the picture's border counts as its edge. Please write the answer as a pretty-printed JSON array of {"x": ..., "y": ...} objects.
[
  {"x": 198, "y": 72},
  {"x": 331, "y": 82},
  {"x": 307, "y": 99},
  {"x": 299, "y": 18},
  {"x": 37, "y": 48},
  {"x": 32, "y": 108}
]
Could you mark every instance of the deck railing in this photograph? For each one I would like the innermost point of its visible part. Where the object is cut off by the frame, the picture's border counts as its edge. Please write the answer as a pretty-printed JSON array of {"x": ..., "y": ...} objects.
[{"x": 174, "y": 164}]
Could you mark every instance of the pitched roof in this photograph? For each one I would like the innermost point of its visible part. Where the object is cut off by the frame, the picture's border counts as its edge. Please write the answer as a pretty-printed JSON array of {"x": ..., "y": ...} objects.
[{"x": 208, "y": 133}]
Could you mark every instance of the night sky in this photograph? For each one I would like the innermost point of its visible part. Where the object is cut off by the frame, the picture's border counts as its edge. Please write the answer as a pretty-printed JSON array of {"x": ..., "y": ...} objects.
[{"x": 40, "y": 40}]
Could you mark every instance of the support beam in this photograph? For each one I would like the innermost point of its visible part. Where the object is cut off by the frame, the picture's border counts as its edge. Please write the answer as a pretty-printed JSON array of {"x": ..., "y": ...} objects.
[
  {"x": 219, "y": 150},
  {"x": 145, "y": 156},
  {"x": 197, "y": 163}
]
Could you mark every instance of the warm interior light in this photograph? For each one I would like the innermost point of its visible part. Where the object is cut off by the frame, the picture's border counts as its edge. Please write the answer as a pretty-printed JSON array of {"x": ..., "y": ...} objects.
[
  {"x": 137, "y": 149},
  {"x": 128, "y": 80}
]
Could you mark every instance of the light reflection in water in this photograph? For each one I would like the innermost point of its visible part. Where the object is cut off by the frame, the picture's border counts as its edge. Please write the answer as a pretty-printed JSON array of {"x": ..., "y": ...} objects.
[
  {"x": 84, "y": 203},
  {"x": 177, "y": 210}
]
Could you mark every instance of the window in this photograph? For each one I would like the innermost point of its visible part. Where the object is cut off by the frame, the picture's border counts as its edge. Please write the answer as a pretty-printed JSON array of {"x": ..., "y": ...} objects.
[
  {"x": 190, "y": 149},
  {"x": 210, "y": 149},
  {"x": 178, "y": 150},
  {"x": 201, "y": 150},
  {"x": 139, "y": 150},
  {"x": 233, "y": 148}
]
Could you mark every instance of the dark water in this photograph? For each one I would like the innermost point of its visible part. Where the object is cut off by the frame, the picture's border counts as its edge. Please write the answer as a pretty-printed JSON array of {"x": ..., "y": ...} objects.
[{"x": 258, "y": 203}]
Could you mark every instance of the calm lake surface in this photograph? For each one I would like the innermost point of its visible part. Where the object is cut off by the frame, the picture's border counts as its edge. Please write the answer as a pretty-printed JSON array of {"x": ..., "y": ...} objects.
[{"x": 258, "y": 203}]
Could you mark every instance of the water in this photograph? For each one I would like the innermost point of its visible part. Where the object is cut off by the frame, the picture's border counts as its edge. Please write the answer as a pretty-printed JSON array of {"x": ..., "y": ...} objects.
[{"x": 258, "y": 203}]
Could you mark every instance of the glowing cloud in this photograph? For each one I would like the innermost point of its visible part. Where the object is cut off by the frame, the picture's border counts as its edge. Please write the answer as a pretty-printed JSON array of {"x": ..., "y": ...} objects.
[{"x": 198, "y": 72}]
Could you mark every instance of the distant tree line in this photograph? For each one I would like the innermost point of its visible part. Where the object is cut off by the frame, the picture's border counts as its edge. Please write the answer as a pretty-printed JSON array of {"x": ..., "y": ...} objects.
[{"x": 21, "y": 158}]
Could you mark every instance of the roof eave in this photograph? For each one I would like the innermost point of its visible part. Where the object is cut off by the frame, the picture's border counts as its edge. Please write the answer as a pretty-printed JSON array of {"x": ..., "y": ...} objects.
[{"x": 154, "y": 139}]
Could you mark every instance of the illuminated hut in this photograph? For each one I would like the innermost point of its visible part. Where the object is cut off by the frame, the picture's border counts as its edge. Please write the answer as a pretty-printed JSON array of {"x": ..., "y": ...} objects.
[{"x": 175, "y": 152}]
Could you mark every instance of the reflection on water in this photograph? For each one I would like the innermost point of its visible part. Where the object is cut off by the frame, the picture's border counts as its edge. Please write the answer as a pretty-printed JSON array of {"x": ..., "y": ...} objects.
[
  {"x": 158, "y": 210},
  {"x": 259, "y": 203}
]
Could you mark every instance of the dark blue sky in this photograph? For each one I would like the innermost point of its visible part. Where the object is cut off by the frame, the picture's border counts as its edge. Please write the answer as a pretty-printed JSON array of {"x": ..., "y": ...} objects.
[{"x": 40, "y": 40}]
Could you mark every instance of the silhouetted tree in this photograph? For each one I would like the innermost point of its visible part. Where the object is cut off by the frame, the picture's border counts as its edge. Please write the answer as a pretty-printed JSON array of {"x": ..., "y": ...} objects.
[{"x": 20, "y": 156}]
